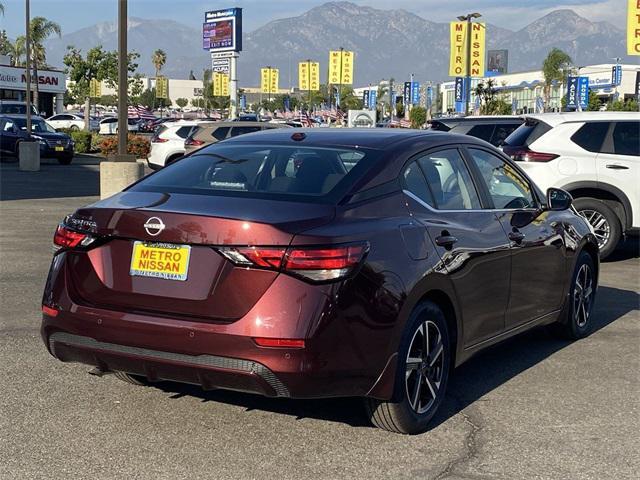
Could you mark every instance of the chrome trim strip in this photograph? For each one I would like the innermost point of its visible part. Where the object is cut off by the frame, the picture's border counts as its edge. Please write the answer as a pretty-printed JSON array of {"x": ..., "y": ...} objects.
[
  {"x": 226, "y": 363},
  {"x": 435, "y": 210}
]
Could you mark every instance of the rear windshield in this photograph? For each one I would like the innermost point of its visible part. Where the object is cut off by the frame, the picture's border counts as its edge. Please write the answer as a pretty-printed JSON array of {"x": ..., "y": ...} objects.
[
  {"x": 527, "y": 133},
  {"x": 265, "y": 171}
]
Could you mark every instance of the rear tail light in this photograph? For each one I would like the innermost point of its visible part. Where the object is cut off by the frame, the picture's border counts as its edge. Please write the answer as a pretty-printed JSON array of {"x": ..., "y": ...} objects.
[
  {"x": 67, "y": 238},
  {"x": 52, "y": 312},
  {"x": 524, "y": 154},
  {"x": 279, "y": 342},
  {"x": 318, "y": 264},
  {"x": 159, "y": 140},
  {"x": 193, "y": 142}
]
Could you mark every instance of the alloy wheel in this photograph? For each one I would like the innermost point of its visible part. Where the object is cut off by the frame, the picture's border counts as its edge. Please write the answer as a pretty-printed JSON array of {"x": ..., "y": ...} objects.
[
  {"x": 600, "y": 224},
  {"x": 425, "y": 366},
  {"x": 582, "y": 296}
]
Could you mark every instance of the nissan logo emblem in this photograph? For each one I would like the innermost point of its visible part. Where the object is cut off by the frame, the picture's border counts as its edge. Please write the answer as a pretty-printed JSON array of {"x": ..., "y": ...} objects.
[{"x": 154, "y": 226}]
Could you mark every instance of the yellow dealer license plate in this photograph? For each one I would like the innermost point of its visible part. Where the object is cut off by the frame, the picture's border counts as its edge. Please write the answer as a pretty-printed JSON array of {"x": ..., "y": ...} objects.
[
  {"x": 59, "y": 148},
  {"x": 160, "y": 260}
]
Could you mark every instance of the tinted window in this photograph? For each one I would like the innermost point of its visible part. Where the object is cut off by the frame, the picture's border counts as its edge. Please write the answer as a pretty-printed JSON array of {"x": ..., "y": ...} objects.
[
  {"x": 527, "y": 133},
  {"x": 626, "y": 138},
  {"x": 262, "y": 171},
  {"x": 8, "y": 126},
  {"x": 482, "y": 131},
  {"x": 502, "y": 131},
  {"x": 183, "y": 132},
  {"x": 220, "y": 133},
  {"x": 415, "y": 182},
  {"x": 449, "y": 180},
  {"x": 508, "y": 189},
  {"x": 235, "y": 131},
  {"x": 36, "y": 125},
  {"x": 591, "y": 135}
]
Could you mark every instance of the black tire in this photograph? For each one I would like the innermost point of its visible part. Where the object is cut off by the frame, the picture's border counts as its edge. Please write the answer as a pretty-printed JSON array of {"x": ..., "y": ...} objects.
[
  {"x": 66, "y": 160},
  {"x": 403, "y": 414},
  {"x": 74, "y": 128},
  {"x": 132, "y": 379},
  {"x": 608, "y": 233},
  {"x": 576, "y": 321}
]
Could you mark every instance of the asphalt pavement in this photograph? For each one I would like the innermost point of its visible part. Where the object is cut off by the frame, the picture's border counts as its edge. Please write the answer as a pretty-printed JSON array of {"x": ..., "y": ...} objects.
[{"x": 532, "y": 408}]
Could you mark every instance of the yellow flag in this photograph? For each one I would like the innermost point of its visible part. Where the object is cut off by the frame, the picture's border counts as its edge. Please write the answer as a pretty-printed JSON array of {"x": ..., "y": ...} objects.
[
  {"x": 309, "y": 76},
  {"x": 269, "y": 80},
  {"x": 477, "y": 49},
  {"x": 458, "y": 54},
  {"x": 220, "y": 83},
  {"x": 340, "y": 67},
  {"x": 633, "y": 27},
  {"x": 162, "y": 87},
  {"x": 95, "y": 88}
]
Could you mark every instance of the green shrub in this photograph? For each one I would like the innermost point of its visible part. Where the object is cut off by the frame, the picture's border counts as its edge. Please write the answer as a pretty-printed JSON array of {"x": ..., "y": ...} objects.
[
  {"x": 136, "y": 145},
  {"x": 82, "y": 141}
]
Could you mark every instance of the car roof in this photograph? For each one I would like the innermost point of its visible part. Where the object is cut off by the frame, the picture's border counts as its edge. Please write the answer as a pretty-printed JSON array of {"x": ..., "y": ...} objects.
[
  {"x": 19, "y": 116},
  {"x": 375, "y": 138},
  {"x": 230, "y": 123},
  {"x": 478, "y": 119},
  {"x": 554, "y": 119}
]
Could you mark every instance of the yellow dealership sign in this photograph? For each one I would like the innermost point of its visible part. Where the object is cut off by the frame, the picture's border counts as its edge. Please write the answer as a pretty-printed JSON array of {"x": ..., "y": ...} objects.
[
  {"x": 458, "y": 54},
  {"x": 162, "y": 87},
  {"x": 633, "y": 27},
  {"x": 309, "y": 75},
  {"x": 95, "y": 88},
  {"x": 340, "y": 67},
  {"x": 269, "y": 80},
  {"x": 220, "y": 83}
]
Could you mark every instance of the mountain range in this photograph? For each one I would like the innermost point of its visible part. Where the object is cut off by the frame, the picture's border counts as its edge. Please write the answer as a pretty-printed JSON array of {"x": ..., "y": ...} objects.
[{"x": 387, "y": 43}]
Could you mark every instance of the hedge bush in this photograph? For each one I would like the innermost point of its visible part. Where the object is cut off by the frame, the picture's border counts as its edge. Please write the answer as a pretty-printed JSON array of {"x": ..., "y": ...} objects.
[
  {"x": 81, "y": 138},
  {"x": 136, "y": 145}
]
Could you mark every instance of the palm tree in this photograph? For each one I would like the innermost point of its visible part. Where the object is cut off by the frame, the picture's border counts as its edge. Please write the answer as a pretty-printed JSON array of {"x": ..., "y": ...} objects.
[
  {"x": 18, "y": 49},
  {"x": 553, "y": 70},
  {"x": 40, "y": 30},
  {"x": 159, "y": 58},
  {"x": 2, "y": 9}
]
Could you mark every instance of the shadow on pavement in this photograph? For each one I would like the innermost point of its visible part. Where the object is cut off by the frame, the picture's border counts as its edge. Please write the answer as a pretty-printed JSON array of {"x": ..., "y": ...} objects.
[
  {"x": 52, "y": 181},
  {"x": 474, "y": 379},
  {"x": 629, "y": 248}
]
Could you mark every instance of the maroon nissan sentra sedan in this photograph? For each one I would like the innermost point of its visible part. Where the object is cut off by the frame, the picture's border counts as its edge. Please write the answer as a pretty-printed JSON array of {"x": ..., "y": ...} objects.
[{"x": 319, "y": 263}]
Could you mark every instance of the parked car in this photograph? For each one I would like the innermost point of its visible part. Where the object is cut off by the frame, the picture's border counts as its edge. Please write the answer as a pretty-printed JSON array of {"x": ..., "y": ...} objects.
[
  {"x": 13, "y": 130},
  {"x": 320, "y": 263},
  {"x": 212, "y": 132},
  {"x": 109, "y": 125},
  {"x": 167, "y": 144},
  {"x": 595, "y": 156},
  {"x": 72, "y": 121},
  {"x": 491, "y": 128},
  {"x": 247, "y": 117},
  {"x": 12, "y": 107}
]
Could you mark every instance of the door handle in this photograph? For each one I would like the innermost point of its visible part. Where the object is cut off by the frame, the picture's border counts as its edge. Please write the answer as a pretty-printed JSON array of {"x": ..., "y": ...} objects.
[
  {"x": 615, "y": 166},
  {"x": 446, "y": 241},
  {"x": 516, "y": 237}
]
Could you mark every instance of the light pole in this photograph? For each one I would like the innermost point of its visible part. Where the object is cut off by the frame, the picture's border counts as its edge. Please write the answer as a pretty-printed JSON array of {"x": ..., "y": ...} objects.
[
  {"x": 28, "y": 64},
  {"x": 123, "y": 128},
  {"x": 469, "y": 19}
]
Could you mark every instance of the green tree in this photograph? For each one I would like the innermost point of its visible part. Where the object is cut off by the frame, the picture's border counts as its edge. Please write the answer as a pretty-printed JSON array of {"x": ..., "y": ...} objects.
[
  {"x": 182, "y": 102},
  {"x": 149, "y": 100},
  {"x": 40, "y": 29},
  {"x": 418, "y": 116},
  {"x": 108, "y": 100},
  {"x": 159, "y": 59},
  {"x": 594, "y": 102},
  {"x": 554, "y": 68},
  {"x": 623, "y": 106}
]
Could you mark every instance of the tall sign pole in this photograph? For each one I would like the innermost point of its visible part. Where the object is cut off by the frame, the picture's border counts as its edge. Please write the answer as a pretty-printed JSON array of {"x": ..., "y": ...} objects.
[
  {"x": 28, "y": 64},
  {"x": 233, "y": 76},
  {"x": 122, "y": 78}
]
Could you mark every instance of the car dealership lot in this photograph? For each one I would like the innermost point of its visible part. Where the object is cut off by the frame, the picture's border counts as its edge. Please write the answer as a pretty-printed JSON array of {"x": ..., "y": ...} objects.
[{"x": 534, "y": 407}]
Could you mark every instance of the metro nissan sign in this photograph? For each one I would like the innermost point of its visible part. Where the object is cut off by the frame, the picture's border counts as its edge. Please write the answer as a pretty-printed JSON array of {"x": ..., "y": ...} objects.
[{"x": 15, "y": 78}]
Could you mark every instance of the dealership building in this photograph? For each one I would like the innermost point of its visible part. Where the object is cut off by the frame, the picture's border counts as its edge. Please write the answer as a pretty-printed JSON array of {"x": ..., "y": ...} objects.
[
  {"x": 51, "y": 87},
  {"x": 523, "y": 89}
]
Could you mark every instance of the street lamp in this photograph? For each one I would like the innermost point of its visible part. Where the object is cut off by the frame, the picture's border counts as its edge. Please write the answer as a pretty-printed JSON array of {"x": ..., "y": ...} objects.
[{"x": 468, "y": 18}]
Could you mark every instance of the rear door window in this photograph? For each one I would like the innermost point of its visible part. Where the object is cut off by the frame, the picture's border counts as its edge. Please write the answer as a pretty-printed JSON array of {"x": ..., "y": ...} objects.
[
  {"x": 527, "y": 133},
  {"x": 183, "y": 132},
  {"x": 220, "y": 133},
  {"x": 502, "y": 131},
  {"x": 449, "y": 180},
  {"x": 482, "y": 131},
  {"x": 590, "y": 136},
  {"x": 235, "y": 131},
  {"x": 415, "y": 183}
]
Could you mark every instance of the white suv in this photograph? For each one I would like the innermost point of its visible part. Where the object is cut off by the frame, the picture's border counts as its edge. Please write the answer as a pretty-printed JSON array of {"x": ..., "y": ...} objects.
[
  {"x": 593, "y": 155},
  {"x": 167, "y": 144}
]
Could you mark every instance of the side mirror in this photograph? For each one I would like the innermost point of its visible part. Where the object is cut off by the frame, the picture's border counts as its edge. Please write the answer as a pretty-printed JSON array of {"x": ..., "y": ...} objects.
[{"x": 558, "y": 199}]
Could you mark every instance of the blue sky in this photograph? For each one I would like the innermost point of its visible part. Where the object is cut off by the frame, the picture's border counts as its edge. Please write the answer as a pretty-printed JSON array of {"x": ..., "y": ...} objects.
[{"x": 513, "y": 14}]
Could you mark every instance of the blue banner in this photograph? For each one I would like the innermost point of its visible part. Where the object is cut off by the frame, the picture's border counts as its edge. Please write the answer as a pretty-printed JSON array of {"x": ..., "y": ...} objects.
[
  {"x": 365, "y": 98},
  {"x": 373, "y": 99},
  {"x": 406, "y": 94},
  {"x": 429, "y": 96},
  {"x": 415, "y": 93},
  {"x": 572, "y": 92},
  {"x": 616, "y": 75},
  {"x": 394, "y": 98},
  {"x": 583, "y": 92},
  {"x": 287, "y": 103},
  {"x": 459, "y": 89},
  {"x": 243, "y": 102}
]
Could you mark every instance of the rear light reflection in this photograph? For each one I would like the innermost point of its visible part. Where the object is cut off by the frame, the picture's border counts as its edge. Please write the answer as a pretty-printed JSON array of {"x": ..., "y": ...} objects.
[
  {"x": 66, "y": 238},
  {"x": 317, "y": 264},
  {"x": 193, "y": 142},
  {"x": 279, "y": 342},
  {"x": 52, "y": 312},
  {"x": 524, "y": 154},
  {"x": 159, "y": 140}
]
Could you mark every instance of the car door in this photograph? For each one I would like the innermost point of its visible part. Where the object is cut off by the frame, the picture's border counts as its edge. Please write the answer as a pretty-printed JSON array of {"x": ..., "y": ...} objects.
[
  {"x": 54, "y": 121},
  {"x": 538, "y": 253},
  {"x": 469, "y": 239},
  {"x": 618, "y": 162},
  {"x": 8, "y": 135}
]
